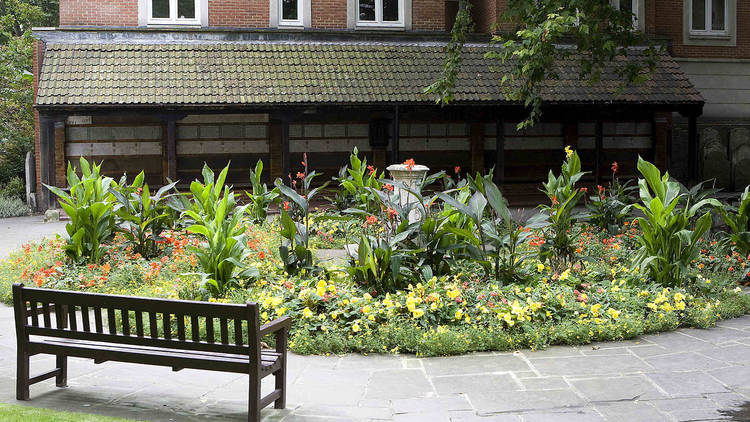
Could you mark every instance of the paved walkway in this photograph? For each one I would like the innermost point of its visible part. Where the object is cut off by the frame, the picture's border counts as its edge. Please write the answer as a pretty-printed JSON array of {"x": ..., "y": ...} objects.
[
  {"x": 18, "y": 230},
  {"x": 688, "y": 375}
]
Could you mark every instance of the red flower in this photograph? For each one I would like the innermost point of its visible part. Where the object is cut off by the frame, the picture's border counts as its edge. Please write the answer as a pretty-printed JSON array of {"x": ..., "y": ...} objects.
[
  {"x": 409, "y": 164},
  {"x": 300, "y": 175},
  {"x": 388, "y": 187},
  {"x": 392, "y": 213},
  {"x": 286, "y": 205},
  {"x": 457, "y": 169},
  {"x": 584, "y": 190},
  {"x": 371, "y": 220},
  {"x": 371, "y": 169},
  {"x": 554, "y": 200},
  {"x": 615, "y": 167}
]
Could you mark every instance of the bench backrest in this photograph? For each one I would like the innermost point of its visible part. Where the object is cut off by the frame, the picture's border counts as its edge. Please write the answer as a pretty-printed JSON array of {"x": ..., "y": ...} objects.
[{"x": 175, "y": 324}]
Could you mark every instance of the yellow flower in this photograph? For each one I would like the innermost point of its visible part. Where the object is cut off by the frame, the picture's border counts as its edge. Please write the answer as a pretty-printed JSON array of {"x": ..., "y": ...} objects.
[
  {"x": 459, "y": 314},
  {"x": 564, "y": 276},
  {"x": 321, "y": 288},
  {"x": 307, "y": 313},
  {"x": 418, "y": 313},
  {"x": 540, "y": 267},
  {"x": 595, "y": 309},
  {"x": 366, "y": 309},
  {"x": 281, "y": 311},
  {"x": 568, "y": 151},
  {"x": 679, "y": 297},
  {"x": 613, "y": 313},
  {"x": 355, "y": 327}
]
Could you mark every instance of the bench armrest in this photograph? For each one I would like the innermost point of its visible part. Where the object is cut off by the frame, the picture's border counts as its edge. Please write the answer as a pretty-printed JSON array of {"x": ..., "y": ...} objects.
[{"x": 275, "y": 325}]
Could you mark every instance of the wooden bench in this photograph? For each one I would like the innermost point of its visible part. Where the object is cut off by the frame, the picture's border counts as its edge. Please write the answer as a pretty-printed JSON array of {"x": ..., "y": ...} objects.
[{"x": 108, "y": 327}]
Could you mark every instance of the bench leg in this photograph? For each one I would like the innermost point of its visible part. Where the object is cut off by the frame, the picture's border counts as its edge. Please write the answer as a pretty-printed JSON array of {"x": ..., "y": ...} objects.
[
  {"x": 280, "y": 384},
  {"x": 253, "y": 403},
  {"x": 61, "y": 380},
  {"x": 22, "y": 376}
]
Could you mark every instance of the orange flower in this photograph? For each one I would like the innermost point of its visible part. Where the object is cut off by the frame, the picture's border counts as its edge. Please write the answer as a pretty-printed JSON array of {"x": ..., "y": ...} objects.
[
  {"x": 371, "y": 169},
  {"x": 388, "y": 187},
  {"x": 286, "y": 205},
  {"x": 615, "y": 167},
  {"x": 457, "y": 169},
  {"x": 409, "y": 164}
]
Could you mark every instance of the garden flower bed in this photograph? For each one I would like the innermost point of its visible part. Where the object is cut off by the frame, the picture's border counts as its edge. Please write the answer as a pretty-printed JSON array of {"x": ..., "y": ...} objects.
[{"x": 557, "y": 279}]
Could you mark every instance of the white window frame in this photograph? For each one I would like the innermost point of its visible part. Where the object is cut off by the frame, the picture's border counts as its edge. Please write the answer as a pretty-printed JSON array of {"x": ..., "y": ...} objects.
[
  {"x": 173, "y": 19},
  {"x": 708, "y": 15},
  {"x": 291, "y": 22},
  {"x": 378, "y": 22}
]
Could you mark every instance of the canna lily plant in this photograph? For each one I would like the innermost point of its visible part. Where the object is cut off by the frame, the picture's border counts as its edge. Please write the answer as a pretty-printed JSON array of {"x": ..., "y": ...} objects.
[{"x": 668, "y": 245}]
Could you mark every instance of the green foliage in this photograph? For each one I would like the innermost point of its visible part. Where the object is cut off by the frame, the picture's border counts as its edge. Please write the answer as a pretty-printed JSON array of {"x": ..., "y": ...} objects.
[
  {"x": 381, "y": 263},
  {"x": 610, "y": 207},
  {"x": 143, "y": 216},
  {"x": 16, "y": 413},
  {"x": 443, "y": 87},
  {"x": 559, "y": 246},
  {"x": 260, "y": 197},
  {"x": 225, "y": 245},
  {"x": 12, "y": 207},
  {"x": 15, "y": 188},
  {"x": 295, "y": 250},
  {"x": 90, "y": 208},
  {"x": 360, "y": 182},
  {"x": 668, "y": 246},
  {"x": 736, "y": 220}
]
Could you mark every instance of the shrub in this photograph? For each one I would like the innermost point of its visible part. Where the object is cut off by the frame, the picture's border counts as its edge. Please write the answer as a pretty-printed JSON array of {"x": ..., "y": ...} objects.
[
  {"x": 15, "y": 188},
  {"x": 736, "y": 219},
  {"x": 260, "y": 197},
  {"x": 90, "y": 208},
  {"x": 12, "y": 207},
  {"x": 668, "y": 246}
]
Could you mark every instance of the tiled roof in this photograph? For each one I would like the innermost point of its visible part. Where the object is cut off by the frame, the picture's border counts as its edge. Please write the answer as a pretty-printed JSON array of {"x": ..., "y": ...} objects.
[{"x": 275, "y": 73}]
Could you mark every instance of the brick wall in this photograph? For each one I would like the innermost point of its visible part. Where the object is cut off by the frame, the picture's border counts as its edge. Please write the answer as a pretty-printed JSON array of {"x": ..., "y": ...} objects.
[
  {"x": 240, "y": 13},
  {"x": 99, "y": 12},
  {"x": 669, "y": 23},
  {"x": 428, "y": 15},
  {"x": 328, "y": 14}
]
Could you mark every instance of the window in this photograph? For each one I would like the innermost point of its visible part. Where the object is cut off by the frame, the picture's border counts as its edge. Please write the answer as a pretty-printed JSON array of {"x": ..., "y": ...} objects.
[
  {"x": 290, "y": 12},
  {"x": 380, "y": 13},
  {"x": 634, "y": 7},
  {"x": 709, "y": 17},
  {"x": 174, "y": 12}
]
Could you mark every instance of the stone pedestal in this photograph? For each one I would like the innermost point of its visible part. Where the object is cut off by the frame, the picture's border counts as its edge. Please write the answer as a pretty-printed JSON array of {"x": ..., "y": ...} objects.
[{"x": 411, "y": 177}]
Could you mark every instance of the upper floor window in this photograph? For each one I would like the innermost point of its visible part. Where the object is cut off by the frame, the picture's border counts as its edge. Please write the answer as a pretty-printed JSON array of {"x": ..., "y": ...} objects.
[
  {"x": 380, "y": 13},
  {"x": 635, "y": 7},
  {"x": 290, "y": 12},
  {"x": 174, "y": 12},
  {"x": 709, "y": 17}
]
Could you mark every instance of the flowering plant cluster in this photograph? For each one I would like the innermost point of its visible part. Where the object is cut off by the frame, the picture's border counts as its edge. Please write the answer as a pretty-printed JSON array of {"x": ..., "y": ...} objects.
[{"x": 465, "y": 276}]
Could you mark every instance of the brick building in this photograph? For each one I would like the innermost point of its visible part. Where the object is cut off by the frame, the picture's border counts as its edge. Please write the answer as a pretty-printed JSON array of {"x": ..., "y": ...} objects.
[{"x": 165, "y": 85}]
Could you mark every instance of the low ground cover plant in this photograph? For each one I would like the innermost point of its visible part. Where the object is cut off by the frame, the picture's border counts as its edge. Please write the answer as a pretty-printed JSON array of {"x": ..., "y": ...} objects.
[{"x": 463, "y": 276}]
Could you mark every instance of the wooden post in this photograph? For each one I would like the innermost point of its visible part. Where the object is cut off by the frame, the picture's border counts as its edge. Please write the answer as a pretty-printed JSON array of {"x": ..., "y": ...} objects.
[
  {"x": 598, "y": 151},
  {"x": 693, "y": 148},
  {"x": 477, "y": 147},
  {"x": 275, "y": 153},
  {"x": 662, "y": 123},
  {"x": 285, "y": 146},
  {"x": 499, "y": 152},
  {"x": 22, "y": 339},
  {"x": 59, "y": 153},
  {"x": 395, "y": 154},
  {"x": 172, "y": 149}
]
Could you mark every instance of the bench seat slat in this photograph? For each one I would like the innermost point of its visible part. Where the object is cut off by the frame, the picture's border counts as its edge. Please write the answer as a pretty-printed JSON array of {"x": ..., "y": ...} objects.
[
  {"x": 85, "y": 318},
  {"x": 153, "y": 356}
]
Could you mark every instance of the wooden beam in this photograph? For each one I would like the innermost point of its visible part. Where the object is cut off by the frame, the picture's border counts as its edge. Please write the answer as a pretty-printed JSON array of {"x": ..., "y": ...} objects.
[
  {"x": 395, "y": 148},
  {"x": 172, "y": 149},
  {"x": 599, "y": 143},
  {"x": 693, "y": 149},
  {"x": 285, "y": 165},
  {"x": 499, "y": 152}
]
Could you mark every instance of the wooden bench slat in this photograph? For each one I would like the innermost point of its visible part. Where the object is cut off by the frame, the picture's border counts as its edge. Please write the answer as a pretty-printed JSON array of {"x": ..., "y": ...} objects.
[
  {"x": 209, "y": 329},
  {"x": 195, "y": 328},
  {"x": 85, "y": 318},
  {"x": 125, "y": 315},
  {"x": 60, "y": 317},
  {"x": 139, "y": 323},
  {"x": 224, "y": 331},
  {"x": 180, "y": 327},
  {"x": 98, "y": 320},
  {"x": 144, "y": 304},
  {"x": 73, "y": 318},
  {"x": 45, "y": 311},
  {"x": 154, "y": 330},
  {"x": 143, "y": 341},
  {"x": 34, "y": 314},
  {"x": 111, "y": 320},
  {"x": 238, "y": 332},
  {"x": 167, "y": 326}
]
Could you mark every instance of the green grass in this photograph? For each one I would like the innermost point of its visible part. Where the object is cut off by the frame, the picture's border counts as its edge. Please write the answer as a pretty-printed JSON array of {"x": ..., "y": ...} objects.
[{"x": 15, "y": 413}]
